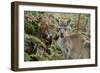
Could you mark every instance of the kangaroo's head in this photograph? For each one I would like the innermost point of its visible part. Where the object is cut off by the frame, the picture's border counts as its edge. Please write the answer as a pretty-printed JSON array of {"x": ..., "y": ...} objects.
[
  {"x": 62, "y": 28},
  {"x": 61, "y": 31}
]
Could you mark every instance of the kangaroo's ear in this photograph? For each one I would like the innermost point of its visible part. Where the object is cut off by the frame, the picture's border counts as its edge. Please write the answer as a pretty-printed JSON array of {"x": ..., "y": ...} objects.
[
  {"x": 57, "y": 20},
  {"x": 68, "y": 22}
]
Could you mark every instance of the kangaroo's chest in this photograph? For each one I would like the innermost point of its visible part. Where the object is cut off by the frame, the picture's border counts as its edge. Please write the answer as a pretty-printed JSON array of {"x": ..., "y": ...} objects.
[{"x": 61, "y": 43}]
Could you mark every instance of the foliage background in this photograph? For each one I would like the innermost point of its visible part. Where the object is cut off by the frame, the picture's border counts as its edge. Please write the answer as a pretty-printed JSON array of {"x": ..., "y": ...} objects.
[{"x": 37, "y": 46}]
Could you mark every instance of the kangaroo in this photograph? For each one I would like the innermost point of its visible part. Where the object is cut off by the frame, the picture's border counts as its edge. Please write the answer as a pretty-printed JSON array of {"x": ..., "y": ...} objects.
[
  {"x": 64, "y": 43},
  {"x": 71, "y": 45},
  {"x": 78, "y": 50}
]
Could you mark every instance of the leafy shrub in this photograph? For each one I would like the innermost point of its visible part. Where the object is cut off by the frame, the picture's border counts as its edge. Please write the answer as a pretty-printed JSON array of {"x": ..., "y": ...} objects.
[{"x": 38, "y": 45}]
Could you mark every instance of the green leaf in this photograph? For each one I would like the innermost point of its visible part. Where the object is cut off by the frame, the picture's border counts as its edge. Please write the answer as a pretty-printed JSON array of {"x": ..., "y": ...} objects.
[{"x": 26, "y": 57}]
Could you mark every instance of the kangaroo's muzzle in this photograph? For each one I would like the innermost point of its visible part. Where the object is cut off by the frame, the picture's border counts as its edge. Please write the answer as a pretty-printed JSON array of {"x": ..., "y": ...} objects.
[{"x": 62, "y": 35}]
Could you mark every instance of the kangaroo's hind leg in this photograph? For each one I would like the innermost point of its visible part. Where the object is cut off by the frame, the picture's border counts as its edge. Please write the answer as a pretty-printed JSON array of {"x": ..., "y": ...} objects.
[
  {"x": 68, "y": 50},
  {"x": 63, "y": 51}
]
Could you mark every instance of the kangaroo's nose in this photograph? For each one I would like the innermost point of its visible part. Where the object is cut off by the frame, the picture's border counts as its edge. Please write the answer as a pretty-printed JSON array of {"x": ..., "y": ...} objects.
[{"x": 62, "y": 35}]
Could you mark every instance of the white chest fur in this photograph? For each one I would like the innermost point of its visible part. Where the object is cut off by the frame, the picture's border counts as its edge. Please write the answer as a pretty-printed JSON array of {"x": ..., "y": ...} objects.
[{"x": 63, "y": 46}]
